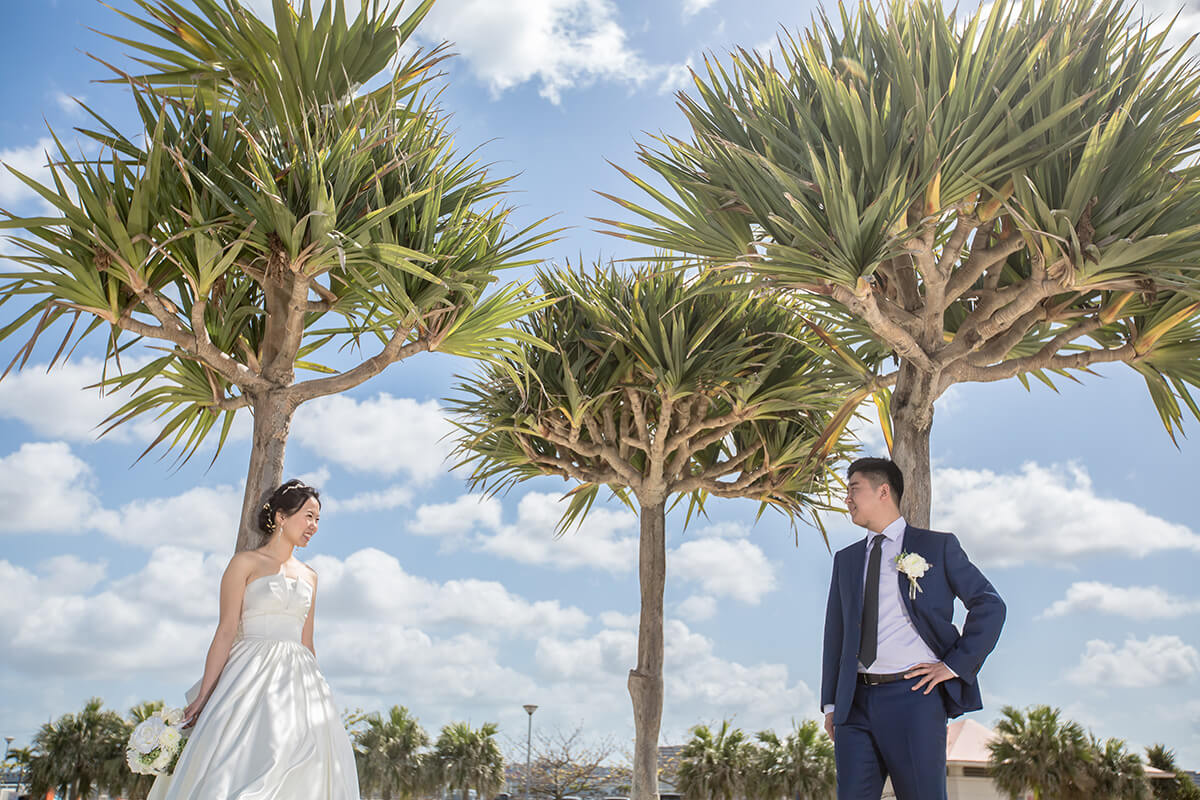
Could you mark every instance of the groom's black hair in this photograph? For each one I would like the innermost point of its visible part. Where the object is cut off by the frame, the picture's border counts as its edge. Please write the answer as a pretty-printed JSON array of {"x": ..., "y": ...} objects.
[{"x": 878, "y": 470}]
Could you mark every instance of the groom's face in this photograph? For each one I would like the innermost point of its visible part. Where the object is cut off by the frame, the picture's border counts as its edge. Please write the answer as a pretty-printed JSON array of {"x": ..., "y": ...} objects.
[{"x": 866, "y": 503}]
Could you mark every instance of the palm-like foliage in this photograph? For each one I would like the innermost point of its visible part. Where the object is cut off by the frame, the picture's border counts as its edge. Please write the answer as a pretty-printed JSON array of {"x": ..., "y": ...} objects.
[
  {"x": 1114, "y": 773},
  {"x": 389, "y": 753},
  {"x": 1179, "y": 787},
  {"x": 79, "y": 753},
  {"x": 270, "y": 213},
  {"x": 658, "y": 386},
  {"x": 799, "y": 767},
  {"x": 468, "y": 758},
  {"x": 1038, "y": 751},
  {"x": 715, "y": 767},
  {"x": 1010, "y": 194}
]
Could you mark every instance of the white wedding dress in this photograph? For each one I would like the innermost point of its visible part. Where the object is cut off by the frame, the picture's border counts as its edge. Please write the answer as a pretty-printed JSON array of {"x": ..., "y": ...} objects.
[{"x": 270, "y": 730}]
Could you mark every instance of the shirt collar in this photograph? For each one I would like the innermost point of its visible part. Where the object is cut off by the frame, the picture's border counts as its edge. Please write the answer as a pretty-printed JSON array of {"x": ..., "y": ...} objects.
[{"x": 892, "y": 532}]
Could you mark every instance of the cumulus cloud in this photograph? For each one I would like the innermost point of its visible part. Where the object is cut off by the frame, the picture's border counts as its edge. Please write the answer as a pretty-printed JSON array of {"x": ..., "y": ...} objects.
[
  {"x": 700, "y": 683},
  {"x": 46, "y": 487},
  {"x": 458, "y": 517},
  {"x": 1138, "y": 663},
  {"x": 388, "y": 499},
  {"x": 734, "y": 568},
  {"x": 697, "y": 607},
  {"x": 54, "y": 403},
  {"x": 1046, "y": 514},
  {"x": 205, "y": 518},
  {"x": 1136, "y": 602},
  {"x": 384, "y": 435},
  {"x": 29, "y": 161},
  {"x": 559, "y": 44},
  {"x": 693, "y": 7},
  {"x": 603, "y": 541}
]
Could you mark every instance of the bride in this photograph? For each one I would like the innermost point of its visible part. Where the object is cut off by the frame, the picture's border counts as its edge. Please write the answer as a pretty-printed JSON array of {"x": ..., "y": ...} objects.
[{"x": 265, "y": 724}]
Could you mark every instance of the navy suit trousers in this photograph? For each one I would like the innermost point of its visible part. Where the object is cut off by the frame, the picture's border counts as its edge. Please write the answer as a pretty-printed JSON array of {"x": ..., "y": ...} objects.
[{"x": 894, "y": 732}]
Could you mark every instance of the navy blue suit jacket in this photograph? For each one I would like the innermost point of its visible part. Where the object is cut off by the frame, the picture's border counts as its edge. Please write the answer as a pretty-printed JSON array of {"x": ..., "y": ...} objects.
[{"x": 950, "y": 575}]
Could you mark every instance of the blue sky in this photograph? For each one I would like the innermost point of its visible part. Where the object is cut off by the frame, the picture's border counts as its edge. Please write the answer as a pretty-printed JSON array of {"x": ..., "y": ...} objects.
[{"x": 1076, "y": 504}]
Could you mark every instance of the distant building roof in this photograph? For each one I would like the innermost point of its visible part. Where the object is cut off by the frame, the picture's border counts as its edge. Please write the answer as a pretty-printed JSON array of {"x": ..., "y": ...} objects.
[{"x": 967, "y": 745}]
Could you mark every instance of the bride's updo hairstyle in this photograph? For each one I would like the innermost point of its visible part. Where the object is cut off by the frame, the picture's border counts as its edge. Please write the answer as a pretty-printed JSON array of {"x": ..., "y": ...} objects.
[{"x": 287, "y": 499}]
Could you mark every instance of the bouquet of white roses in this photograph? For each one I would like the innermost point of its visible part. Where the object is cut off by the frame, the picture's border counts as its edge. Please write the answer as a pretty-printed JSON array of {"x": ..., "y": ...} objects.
[{"x": 155, "y": 744}]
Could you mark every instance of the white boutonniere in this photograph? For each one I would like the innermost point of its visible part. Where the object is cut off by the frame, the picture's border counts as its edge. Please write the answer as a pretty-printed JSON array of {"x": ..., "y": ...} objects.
[{"x": 914, "y": 566}]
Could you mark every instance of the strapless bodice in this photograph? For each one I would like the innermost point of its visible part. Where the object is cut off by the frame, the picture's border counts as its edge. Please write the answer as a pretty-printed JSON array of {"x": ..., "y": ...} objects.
[{"x": 275, "y": 607}]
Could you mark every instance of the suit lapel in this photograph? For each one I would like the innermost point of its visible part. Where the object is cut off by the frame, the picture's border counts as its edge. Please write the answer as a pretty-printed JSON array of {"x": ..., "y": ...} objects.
[
  {"x": 914, "y": 542},
  {"x": 856, "y": 567}
]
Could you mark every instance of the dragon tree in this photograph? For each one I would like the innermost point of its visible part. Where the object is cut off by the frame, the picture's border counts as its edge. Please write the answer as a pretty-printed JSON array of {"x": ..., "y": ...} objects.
[
  {"x": 661, "y": 389},
  {"x": 1011, "y": 193},
  {"x": 271, "y": 213}
]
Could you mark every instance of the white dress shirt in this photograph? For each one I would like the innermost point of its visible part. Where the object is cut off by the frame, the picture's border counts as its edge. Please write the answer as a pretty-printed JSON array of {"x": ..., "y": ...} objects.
[{"x": 899, "y": 645}]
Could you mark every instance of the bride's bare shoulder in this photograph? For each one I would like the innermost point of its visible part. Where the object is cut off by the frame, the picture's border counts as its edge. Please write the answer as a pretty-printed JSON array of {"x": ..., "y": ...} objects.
[{"x": 245, "y": 562}]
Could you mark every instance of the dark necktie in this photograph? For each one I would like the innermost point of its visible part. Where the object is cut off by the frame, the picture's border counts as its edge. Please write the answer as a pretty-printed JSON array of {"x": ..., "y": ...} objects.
[{"x": 869, "y": 642}]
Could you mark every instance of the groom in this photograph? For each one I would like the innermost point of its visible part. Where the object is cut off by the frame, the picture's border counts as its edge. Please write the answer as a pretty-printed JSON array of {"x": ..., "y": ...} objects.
[{"x": 895, "y": 667}]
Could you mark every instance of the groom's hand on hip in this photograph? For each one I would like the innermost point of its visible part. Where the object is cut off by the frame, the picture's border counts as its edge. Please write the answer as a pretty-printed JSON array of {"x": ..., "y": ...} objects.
[
  {"x": 930, "y": 674},
  {"x": 829, "y": 724}
]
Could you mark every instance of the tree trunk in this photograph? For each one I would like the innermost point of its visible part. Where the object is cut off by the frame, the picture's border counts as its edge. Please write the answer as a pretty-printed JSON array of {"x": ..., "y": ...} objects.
[
  {"x": 912, "y": 422},
  {"x": 646, "y": 681},
  {"x": 272, "y": 422}
]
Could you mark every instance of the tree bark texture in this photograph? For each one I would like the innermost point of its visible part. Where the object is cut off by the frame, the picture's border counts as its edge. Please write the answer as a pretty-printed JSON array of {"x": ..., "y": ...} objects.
[
  {"x": 272, "y": 411},
  {"x": 912, "y": 423},
  {"x": 646, "y": 680}
]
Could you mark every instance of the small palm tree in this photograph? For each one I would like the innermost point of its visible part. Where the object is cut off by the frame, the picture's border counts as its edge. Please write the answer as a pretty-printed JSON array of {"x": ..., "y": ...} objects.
[
  {"x": 269, "y": 216},
  {"x": 79, "y": 753},
  {"x": 810, "y": 773},
  {"x": 1038, "y": 751},
  {"x": 389, "y": 754},
  {"x": 662, "y": 388},
  {"x": 467, "y": 758},
  {"x": 1180, "y": 787},
  {"x": 1115, "y": 773},
  {"x": 715, "y": 767}
]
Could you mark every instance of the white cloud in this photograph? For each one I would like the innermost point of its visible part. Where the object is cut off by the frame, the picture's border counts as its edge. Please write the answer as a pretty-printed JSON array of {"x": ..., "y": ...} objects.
[
  {"x": 693, "y": 7},
  {"x": 1136, "y": 602},
  {"x": 724, "y": 530},
  {"x": 1046, "y": 514},
  {"x": 204, "y": 518},
  {"x": 600, "y": 542},
  {"x": 68, "y": 103},
  {"x": 734, "y": 568},
  {"x": 54, "y": 403},
  {"x": 45, "y": 487},
  {"x": 372, "y": 584},
  {"x": 1154, "y": 661},
  {"x": 458, "y": 517},
  {"x": 384, "y": 435},
  {"x": 560, "y": 44},
  {"x": 387, "y": 499},
  {"x": 30, "y": 161},
  {"x": 697, "y": 607},
  {"x": 699, "y": 683},
  {"x": 70, "y": 570}
]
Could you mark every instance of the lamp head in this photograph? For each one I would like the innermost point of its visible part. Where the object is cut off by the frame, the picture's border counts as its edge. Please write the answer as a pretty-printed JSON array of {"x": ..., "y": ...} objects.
[{"x": 530, "y": 708}]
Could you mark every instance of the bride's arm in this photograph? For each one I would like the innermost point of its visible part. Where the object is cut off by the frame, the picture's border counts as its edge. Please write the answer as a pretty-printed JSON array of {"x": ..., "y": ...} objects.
[
  {"x": 306, "y": 636},
  {"x": 233, "y": 589}
]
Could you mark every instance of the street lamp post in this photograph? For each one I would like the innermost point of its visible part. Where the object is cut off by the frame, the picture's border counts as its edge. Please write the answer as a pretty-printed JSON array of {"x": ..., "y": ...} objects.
[
  {"x": 8, "y": 740},
  {"x": 529, "y": 709}
]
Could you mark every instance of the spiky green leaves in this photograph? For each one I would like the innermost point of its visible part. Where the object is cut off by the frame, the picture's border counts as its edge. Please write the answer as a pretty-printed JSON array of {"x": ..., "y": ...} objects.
[
  {"x": 658, "y": 385},
  {"x": 978, "y": 194}
]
